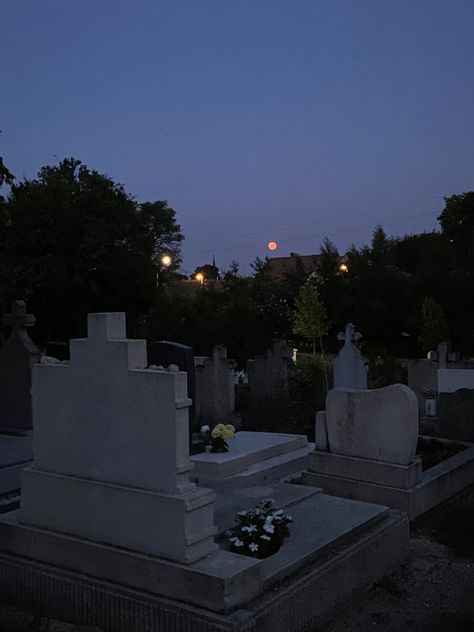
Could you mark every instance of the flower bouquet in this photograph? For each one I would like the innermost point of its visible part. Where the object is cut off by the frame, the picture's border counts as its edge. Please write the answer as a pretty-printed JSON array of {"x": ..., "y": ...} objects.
[
  {"x": 219, "y": 434},
  {"x": 260, "y": 531}
]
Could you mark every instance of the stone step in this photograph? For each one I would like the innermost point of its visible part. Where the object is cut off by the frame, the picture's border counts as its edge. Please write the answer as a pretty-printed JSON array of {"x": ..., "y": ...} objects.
[{"x": 277, "y": 467}]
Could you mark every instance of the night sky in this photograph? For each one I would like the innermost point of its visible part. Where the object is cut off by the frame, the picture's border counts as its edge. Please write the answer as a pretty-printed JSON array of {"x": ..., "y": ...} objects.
[{"x": 255, "y": 119}]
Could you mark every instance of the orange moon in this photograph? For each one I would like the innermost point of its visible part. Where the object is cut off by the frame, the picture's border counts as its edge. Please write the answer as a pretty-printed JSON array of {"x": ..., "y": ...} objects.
[{"x": 272, "y": 245}]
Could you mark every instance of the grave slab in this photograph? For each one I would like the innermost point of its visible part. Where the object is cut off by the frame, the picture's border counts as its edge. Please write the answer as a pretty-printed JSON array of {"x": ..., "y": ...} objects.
[
  {"x": 337, "y": 549},
  {"x": 246, "y": 449}
]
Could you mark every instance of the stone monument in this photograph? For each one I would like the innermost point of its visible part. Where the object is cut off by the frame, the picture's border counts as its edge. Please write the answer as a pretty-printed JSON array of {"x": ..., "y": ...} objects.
[
  {"x": 268, "y": 374},
  {"x": 111, "y": 451},
  {"x": 17, "y": 357},
  {"x": 215, "y": 394},
  {"x": 350, "y": 366},
  {"x": 164, "y": 353}
]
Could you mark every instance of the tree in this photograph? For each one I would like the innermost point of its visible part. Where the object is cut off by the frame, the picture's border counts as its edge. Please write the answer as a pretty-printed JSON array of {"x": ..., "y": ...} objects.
[
  {"x": 311, "y": 321},
  {"x": 6, "y": 176},
  {"x": 75, "y": 242},
  {"x": 433, "y": 326}
]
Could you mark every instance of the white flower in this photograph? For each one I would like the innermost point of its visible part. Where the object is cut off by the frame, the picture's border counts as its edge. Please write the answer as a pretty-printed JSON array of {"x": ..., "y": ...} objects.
[
  {"x": 250, "y": 528},
  {"x": 237, "y": 542},
  {"x": 266, "y": 537},
  {"x": 269, "y": 528},
  {"x": 242, "y": 513},
  {"x": 205, "y": 429},
  {"x": 253, "y": 546}
]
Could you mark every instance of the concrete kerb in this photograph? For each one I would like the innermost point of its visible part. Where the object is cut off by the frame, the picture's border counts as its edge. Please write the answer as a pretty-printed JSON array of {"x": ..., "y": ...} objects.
[{"x": 435, "y": 486}]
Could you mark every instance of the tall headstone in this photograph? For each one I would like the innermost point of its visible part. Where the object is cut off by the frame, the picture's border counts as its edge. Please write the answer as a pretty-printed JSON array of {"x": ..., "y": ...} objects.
[
  {"x": 268, "y": 374},
  {"x": 215, "y": 394},
  {"x": 111, "y": 450},
  {"x": 17, "y": 357},
  {"x": 350, "y": 366},
  {"x": 165, "y": 353}
]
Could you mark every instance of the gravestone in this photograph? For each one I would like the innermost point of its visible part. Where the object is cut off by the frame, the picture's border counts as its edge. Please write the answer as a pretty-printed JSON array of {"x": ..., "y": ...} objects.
[
  {"x": 456, "y": 415},
  {"x": 268, "y": 374},
  {"x": 423, "y": 380},
  {"x": 366, "y": 450},
  {"x": 17, "y": 357},
  {"x": 111, "y": 450},
  {"x": 381, "y": 424},
  {"x": 165, "y": 353},
  {"x": 215, "y": 393},
  {"x": 350, "y": 366}
]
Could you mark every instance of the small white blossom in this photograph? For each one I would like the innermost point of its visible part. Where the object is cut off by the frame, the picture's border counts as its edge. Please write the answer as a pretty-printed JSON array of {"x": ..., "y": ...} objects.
[
  {"x": 269, "y": 528},
  {"x": 242, "y": 513},
  {"x": 237, "y": 542},
  {"x": 250, "y": 528},
  {"x": 205, "y": 429},
  {"x": 253, "y": 546},
  {"x": 266, "y": 537}
]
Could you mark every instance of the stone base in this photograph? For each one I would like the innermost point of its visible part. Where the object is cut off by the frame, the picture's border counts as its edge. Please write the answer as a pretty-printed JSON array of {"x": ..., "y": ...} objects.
[
  {"x": 15, "y": 454},
  {"x": 173, "y": 526},
  {"x": 434, "y": 487},
  {"x": 336, "y": 550},
  {"x": 391, "y": 474}
]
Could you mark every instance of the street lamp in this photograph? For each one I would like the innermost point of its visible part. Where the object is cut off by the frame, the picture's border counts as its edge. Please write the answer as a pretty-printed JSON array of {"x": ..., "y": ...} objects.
[
  {"x": 200, "y": 277},
  {"x": 166, "y": 261}
]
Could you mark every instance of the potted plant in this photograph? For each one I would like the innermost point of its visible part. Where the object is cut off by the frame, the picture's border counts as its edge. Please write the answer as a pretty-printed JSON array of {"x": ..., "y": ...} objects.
[{"x": 260, "y": 531}]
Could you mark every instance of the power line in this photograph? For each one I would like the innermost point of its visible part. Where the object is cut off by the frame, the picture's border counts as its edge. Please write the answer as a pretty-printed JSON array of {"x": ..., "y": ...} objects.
[
  {"x": 317, "y": 235},
  {"x": 272, "y": 231}
]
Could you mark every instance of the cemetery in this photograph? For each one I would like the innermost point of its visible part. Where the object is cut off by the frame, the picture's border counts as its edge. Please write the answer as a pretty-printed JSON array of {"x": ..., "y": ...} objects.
[{"x": 121, "y": 524}]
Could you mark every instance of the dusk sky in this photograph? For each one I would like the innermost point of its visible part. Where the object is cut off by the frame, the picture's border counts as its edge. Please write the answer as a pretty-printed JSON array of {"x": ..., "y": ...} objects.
[{"x": 255, "y": 119}]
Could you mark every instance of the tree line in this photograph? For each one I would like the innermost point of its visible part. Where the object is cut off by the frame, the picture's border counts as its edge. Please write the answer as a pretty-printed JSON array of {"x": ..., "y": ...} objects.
[{"x": 73, "y": 241}]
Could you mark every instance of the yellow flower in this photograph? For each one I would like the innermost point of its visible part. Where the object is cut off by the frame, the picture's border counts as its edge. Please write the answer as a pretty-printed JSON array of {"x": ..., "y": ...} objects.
[
  {"x": 217, "y": 431},
  {"x": 228, "y": 431}
]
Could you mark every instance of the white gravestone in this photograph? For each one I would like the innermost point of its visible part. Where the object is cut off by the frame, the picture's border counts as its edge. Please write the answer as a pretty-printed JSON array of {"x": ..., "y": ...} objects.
[
  {"x": 111, "y": 450},
  {"x": 380, "y": 424},
  {"x": 451, "y": 380},
  {"x": 350, "y": 366}
]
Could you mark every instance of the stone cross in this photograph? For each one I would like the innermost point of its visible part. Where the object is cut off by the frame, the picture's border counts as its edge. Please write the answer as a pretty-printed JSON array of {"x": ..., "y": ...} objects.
[
  {"x": 17, "y": 357},
  {"x": 19, "y": 319},
  {"x": 349, "y": 334},
  {"x": 350, "y": 367}
]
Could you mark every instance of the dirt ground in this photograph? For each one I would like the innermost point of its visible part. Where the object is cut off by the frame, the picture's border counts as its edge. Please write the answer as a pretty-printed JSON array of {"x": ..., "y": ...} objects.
[{"x": 432, "y": 592}]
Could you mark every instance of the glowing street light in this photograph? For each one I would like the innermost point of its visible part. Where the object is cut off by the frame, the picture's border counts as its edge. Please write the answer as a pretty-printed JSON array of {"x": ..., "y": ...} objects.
[
  {"x": 343, "y": 267},
  {"x": 200, "y": 277},
  {"x": 272, "y": 245},
  {"x": 166, "y": 261}
]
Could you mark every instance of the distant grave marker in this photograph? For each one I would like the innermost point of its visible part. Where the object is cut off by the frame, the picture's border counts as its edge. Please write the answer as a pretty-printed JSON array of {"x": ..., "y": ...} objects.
[
  {"x": 350, "y": 366},
  {"x": 17, "y": 357}
]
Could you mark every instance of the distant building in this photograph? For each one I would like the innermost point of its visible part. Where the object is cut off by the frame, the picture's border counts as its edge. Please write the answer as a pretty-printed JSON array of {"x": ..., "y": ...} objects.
[{"x": 279, "y": 267}]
